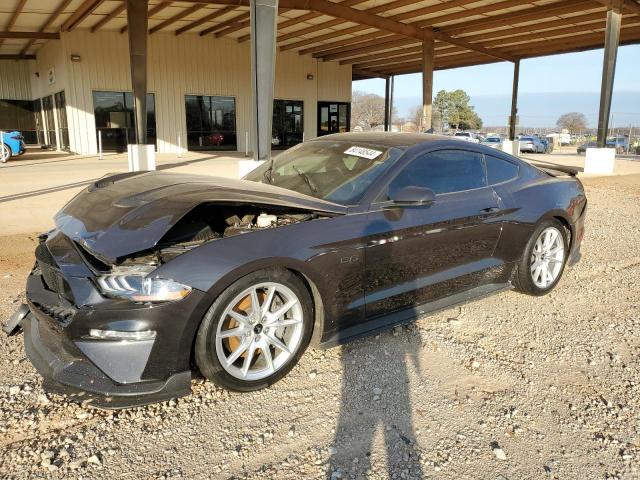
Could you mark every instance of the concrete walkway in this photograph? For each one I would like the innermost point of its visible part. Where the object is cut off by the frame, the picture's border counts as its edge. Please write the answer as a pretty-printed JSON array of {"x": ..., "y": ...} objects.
[{"x": 35, "y": 186}]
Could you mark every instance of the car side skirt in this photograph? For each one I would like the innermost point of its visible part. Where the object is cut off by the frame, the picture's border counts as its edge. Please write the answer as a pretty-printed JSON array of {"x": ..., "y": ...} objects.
[{"x": 369, "y": 327}]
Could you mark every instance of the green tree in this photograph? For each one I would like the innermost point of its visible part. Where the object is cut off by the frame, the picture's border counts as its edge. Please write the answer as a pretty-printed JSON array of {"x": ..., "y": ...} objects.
[{"x": 454, "y": 109}]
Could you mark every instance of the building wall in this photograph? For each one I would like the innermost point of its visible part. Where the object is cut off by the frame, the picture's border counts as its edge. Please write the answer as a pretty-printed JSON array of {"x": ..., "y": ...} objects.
[
  {"x": 15, "y": 79},
  {"x": 178, "y": 65}
]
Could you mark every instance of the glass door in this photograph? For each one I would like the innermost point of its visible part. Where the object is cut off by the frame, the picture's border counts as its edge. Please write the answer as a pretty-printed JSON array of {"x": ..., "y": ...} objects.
[
  {"x": 211, "y": 122},
  {"x": 115, "y": 120},
  {"x": 63, "y": 127},
  {"x": 37, "y": 114},
  {"x": 333, "y": 117},
  {"x": 50, "y": 126},
  {"x": 288, "y": 123}
]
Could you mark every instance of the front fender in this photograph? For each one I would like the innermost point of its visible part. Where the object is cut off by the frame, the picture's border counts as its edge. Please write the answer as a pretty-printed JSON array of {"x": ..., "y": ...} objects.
[{"x": 327, "y": 252}]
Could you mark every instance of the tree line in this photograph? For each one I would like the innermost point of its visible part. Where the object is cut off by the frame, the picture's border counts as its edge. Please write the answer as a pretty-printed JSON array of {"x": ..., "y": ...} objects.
[{"x": 451, "y": 110}]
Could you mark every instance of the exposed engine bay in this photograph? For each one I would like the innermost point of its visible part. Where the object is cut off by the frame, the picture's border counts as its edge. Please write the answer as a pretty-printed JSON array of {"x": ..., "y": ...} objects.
[{"x": 210, "y": 222}]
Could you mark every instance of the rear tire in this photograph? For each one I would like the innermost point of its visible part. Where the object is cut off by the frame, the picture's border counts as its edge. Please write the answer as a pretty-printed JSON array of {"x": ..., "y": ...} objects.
[
  {"x": 545, "y": 256},
  {"x": 243, "y": 348}
]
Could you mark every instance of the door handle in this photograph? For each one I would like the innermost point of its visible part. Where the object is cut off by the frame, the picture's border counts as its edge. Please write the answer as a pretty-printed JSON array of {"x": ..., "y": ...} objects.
[{"x": 490, "y": 210}]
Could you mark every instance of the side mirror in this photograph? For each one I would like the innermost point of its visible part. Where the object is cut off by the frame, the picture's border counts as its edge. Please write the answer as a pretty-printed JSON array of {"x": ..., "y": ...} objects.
[{"x": 412, "y": 195}]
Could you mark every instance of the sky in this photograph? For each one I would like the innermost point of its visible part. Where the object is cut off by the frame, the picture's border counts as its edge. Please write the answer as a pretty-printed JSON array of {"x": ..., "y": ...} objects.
[{"x": 549, "y": 86}]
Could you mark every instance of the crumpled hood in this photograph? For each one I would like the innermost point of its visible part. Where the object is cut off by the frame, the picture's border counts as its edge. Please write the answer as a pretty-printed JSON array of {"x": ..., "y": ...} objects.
[{"x": 126, "y": 213}]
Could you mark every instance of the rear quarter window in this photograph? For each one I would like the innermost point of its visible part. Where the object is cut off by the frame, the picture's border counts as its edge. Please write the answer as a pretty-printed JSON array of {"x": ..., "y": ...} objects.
[{"x": 499, "y": 171}]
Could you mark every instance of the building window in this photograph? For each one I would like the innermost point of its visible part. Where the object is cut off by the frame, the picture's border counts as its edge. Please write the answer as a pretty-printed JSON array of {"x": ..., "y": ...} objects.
[
  {"x": 333, "y": 117},
  {"x": 50, "y": 126},
  {"x": 211, "y": 122},
  {"x": 115, "y": 119},
  {"x": 17, "y": 115},
  {"x": 63, "y": 127},
  {"x": 288, "y": 123}
]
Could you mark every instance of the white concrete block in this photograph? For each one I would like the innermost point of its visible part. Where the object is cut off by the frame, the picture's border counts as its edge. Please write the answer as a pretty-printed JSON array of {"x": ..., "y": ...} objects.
[
  {"x": 141, "y": 157},
  {"x": 600, "y": 161},
  {"x": 512, "y": 147},
  {"x": 246, "y": 166}
]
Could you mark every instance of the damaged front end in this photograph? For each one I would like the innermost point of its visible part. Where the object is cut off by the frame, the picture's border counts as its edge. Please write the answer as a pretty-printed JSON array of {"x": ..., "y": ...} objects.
[
  {"x": 102, "y": 324},
  {"x": 210, "y": 222}
]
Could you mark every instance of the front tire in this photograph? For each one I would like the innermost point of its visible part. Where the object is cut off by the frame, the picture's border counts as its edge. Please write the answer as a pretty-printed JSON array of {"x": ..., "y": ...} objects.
[
  {"x": 5, "y": 153},
  {"x": 255, "y": 331},
  {"x": 544, "y": 259}
]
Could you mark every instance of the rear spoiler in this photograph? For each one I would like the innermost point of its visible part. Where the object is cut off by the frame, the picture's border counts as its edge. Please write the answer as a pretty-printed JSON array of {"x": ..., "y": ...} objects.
[{"x": 554, "y": 170}]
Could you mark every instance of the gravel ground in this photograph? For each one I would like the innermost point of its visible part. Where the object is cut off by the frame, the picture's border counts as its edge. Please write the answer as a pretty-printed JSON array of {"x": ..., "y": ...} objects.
[{"x": 507, "y": 387}]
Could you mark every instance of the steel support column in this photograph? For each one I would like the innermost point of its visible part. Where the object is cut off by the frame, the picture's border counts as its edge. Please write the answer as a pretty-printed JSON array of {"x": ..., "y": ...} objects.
[
  {"x": 264, "y": 14},
  {"x": 513, "y": 119},
  {"x": 611, "y": 40},
  {"x": 391, "y": 103},
  {"x": 427, "y": 79},
  {"x": 387, "y": 84},
  {"x": 137, "y": 24}
]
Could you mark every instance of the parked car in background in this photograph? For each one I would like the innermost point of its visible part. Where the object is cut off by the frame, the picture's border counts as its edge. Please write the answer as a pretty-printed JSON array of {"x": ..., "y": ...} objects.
[
  {"x": 493, "y": 142},
  {"x": 11, "y": 145},
  {"x": 582, "y": 149},
  {"x": 531, "y": 145},
  {"x": 468, "y": 136},
  {"x": 620, "y": 143}
]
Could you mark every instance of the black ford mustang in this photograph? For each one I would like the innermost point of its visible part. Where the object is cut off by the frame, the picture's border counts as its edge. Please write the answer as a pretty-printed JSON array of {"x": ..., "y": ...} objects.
[{"x": 148, "y": 275}]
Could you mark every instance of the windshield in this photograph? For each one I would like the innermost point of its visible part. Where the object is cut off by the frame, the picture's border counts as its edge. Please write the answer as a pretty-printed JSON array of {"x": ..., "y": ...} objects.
[
  {"x": 462, "y": 134},
  {"x": 493, "y": 140},
  {"x": 339, "y": 172}
]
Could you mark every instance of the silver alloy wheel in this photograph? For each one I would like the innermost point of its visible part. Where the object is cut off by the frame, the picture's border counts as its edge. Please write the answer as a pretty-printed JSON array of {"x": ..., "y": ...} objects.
[
  {"x": 547, "y": 257},
  {"x": 260, "y": 330},
  {"x": 5, "y": 153}
]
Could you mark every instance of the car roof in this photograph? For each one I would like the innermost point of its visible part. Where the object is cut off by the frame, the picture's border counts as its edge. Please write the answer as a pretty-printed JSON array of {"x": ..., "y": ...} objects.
[{"x": 387, "y": 139}]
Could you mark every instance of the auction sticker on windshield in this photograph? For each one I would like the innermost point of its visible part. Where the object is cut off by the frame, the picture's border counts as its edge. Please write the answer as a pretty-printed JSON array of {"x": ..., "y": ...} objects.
[{"x": 363, "y": 152}]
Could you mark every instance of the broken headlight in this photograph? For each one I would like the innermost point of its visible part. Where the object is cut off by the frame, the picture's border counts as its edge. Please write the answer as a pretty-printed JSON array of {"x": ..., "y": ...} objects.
[{"x": 133, "y": 284}]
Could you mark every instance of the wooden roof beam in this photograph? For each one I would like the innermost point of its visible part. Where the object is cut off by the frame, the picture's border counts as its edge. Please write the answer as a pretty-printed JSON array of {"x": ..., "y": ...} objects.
[
  {"x": 630, "y": 6},
  {"x": 303, "y": 18},
  {"x": 221, "y": 26},
  {"x": 509, "y": 38},
  {"x": 17, "y": 57},
  {"x": 31, "y": 35},
  {"x": 177, "y": 17},
  {"x": 368, "y": 74},
  {"x": 14, "y": 17},
  {"x": 326, "y": 36},
  {"x": 81, "y": 13},
  {"x": 205, "y": 19},
  {"x": 530, "y": 50},
  {"x": 152, "y": 11},
  {"x": 414, "y": 13},
  {"x": 110, "y": 16},
  {"x": 358, "y": 28},
  {"x": 362, "y": 17},
  {"x": 47, "y": 23},
  {"x": 233, "y": 28},
  {"x": 521, "y": 16}
]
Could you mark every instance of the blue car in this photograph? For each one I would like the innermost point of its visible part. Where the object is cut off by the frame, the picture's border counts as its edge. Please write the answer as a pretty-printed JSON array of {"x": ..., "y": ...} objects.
[{"x": 11, "y": 144}]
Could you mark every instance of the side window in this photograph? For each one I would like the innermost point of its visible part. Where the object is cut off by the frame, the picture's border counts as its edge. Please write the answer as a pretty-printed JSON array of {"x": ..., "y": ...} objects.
[
  {"x": 443, "y": 171},
  {"x": 499, "y": 171}
]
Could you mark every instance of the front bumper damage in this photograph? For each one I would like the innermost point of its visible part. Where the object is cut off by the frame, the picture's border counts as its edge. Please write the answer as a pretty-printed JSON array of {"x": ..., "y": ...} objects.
[
  {"x": 67, "y": 371},
  {"x": 64, "y": 306}
]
